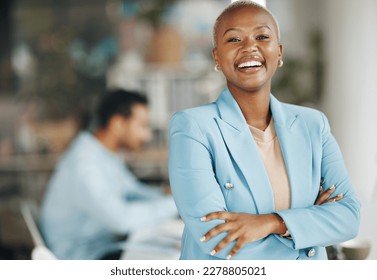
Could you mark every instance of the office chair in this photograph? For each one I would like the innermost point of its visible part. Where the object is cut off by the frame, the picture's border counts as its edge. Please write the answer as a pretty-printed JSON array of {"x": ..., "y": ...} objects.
[{"x": 30, "y": 213}]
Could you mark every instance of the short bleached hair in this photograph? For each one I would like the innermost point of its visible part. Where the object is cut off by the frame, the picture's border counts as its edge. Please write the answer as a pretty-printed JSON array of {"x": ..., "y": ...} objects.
[{"x": 236, "y": 5}]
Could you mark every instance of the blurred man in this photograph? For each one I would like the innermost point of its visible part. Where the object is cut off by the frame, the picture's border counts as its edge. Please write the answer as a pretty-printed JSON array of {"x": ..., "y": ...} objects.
[{"x": 92, "y": 197}]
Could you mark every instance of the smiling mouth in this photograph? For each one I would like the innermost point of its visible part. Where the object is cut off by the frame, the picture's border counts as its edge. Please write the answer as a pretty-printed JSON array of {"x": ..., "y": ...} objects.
[{"x": 250, "y": 64}]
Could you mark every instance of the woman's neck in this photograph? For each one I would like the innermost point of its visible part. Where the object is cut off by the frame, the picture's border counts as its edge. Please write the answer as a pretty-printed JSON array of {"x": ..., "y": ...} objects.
[{"x": 255, "y": 107}]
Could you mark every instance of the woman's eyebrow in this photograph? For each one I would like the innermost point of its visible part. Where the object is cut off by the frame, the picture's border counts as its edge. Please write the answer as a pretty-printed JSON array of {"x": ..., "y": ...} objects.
[
  {"x": 262, "y": 26},
  {"x": 239, "y": 29},
  {"x": 231, "y": 29}
]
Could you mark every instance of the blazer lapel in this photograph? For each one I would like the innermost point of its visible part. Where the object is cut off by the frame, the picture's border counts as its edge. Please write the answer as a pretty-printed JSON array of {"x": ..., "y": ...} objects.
[
  {"x": 296, "y": 148},
  {"x": 241, "y": 146},
  {"x": 294, "y": 142}
]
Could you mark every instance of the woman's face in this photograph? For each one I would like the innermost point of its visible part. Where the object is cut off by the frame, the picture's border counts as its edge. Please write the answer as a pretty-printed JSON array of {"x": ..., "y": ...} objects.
[{"x": 248, "y": 49}]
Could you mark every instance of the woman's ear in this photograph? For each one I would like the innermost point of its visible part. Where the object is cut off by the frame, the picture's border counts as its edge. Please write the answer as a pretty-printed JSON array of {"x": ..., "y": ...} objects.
[
  {"x": 280, "y": 55},
  {"x": 215, "y": 56},
  {"x": 216, "y": 59}
]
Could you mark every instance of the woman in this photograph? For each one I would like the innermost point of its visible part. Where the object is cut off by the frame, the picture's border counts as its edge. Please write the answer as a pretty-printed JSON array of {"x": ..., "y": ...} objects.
[{"x": 245, "y": 170}]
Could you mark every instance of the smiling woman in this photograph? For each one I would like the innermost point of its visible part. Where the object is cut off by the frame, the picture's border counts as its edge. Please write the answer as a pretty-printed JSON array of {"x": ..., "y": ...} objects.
[
  {"x": 247, "y": 44},
  {"x": 254, "y": 178}
]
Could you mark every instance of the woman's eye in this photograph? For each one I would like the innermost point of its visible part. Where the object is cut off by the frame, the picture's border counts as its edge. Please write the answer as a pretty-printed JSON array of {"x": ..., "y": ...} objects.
[
  {"x": 233, "y": 40},
  {"x": 262, "y": 37}
]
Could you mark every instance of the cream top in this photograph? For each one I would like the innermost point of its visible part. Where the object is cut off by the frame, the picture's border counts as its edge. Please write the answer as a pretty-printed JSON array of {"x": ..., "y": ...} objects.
[{"x": 269, "y": 148}]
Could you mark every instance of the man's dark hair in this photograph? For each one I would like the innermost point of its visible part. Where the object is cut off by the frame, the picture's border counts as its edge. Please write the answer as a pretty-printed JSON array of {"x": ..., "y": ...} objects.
[{"x": 118, "y": 102}]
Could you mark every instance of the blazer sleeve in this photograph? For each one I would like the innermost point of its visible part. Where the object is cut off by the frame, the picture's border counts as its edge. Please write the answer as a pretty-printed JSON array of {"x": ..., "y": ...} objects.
[
  {"x": 192, "y": 179},
  {"x": 329, "y": 223}
]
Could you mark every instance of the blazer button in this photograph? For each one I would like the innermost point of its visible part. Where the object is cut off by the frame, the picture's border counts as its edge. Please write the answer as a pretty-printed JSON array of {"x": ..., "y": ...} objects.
[
  {"x": 311, "y": 253},
  {"x": 229, "y": 186}
]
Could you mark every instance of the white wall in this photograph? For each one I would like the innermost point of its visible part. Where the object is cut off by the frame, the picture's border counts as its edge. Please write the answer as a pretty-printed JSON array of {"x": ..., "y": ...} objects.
[{"x": 350, "y": 99}]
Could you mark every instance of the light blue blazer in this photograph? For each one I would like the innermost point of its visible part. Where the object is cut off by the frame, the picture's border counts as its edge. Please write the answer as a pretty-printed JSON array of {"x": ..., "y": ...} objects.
[{"x": 212, "y": 145}]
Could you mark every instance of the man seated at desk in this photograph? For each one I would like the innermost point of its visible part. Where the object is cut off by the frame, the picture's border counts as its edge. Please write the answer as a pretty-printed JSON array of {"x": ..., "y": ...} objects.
[{"x": 92, "y": 197}]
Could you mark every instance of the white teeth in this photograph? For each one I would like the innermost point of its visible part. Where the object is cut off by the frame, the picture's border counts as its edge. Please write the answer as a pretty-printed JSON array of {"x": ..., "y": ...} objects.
[{"x": 250, "y": 64}]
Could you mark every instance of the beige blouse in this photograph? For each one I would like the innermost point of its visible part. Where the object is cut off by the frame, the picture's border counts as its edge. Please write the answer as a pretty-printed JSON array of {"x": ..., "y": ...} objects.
[{"x": 269, "y": 148}]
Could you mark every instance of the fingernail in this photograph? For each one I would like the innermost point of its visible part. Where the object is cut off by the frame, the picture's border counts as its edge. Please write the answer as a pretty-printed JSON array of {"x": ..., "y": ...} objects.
[
  {"x": 340, "y": 195},
  {"x": 203, "y": 218},
  {"x": 228, "y": 257},
  {"x": 332, "y": 187},
  {"x": 321, "y": 189},
  {"x": 334, "y": 200},
  {"x": 202, "y": 238},
  {"x": 213, "y": 252}
]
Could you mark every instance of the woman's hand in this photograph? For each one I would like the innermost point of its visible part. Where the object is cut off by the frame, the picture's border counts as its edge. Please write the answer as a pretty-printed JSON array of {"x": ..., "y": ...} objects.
[
  {"x": 242, "y": 227},
  {"x": 324, "y": 196}
]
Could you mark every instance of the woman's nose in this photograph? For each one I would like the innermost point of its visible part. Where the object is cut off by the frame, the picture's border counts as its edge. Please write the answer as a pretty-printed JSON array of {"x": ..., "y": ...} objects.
[{"x": 250, "y": 45}]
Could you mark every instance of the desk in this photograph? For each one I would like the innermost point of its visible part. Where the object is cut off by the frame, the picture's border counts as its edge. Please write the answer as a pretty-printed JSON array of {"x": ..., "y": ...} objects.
[{"x": 162, "y": 242}]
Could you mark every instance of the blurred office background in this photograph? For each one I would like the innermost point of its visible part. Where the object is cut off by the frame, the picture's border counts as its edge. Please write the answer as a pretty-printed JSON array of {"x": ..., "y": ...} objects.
[{"x": 56, "y": 57}]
